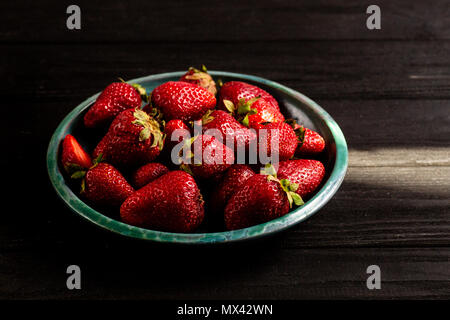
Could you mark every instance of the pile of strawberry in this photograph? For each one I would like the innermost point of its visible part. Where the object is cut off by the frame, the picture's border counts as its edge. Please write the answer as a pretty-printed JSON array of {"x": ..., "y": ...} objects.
[{"x": 131, "y": 172}]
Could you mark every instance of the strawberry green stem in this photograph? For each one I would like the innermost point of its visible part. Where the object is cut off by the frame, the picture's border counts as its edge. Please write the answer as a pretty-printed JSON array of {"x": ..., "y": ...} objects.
[{"x": 286, "y": 185}]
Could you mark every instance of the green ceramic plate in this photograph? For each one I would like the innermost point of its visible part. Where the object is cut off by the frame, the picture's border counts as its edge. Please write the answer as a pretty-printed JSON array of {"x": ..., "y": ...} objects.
[{"x": 293, "y": 104}]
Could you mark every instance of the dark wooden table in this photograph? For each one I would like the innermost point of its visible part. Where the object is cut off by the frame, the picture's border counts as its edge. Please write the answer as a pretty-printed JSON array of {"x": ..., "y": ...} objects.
[{"x": 388, "y": 89}]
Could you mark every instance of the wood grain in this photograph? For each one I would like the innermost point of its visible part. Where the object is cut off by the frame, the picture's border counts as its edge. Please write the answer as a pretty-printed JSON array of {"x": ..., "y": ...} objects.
[
  {"x": 232, "y": 20},
  {"x": 319, "y": 69},
  {"x": 388, "y": 90},
  {"x": 255, "y": 273}
]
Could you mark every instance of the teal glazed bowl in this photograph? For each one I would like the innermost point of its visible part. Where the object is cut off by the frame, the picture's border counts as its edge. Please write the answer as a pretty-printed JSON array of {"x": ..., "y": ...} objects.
[{"x": 292, "y": 103}]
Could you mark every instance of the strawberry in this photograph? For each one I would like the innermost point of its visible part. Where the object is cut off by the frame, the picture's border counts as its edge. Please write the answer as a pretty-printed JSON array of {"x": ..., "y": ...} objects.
[
  {"x": 102, "y": 184},
  {"x": 209, "y": 157},
  {"x": 312, "y": 143},
  {"x": 73, "y": 157},
  {"x": 309, "y": 141},
  {"x": 200, "y": 78},
  {"x": 233, "y": 178},
  {"x": 177, "y": 130},
  {"x": 255, "y": 112},
  {"x": 105, "y": 185},
  {"x": 260, "y": 198},
  {"x": 278, "y": 138},
  {"x": 148, "y": 173},
  {"x": 182, "y": 100},
  {"x": 100, "y": 148},
  {"x": 308, "y": 174},
  {"x": 237, "y": 90},
  {"x": 169, "y": 130},
  {"x": 170, "y": 203},
  {"x": 229, "y": 127},
  {"x": 117, "y": 97},
  {"x": 134, "y": 138},
  {"x": 148, "y": 108}
]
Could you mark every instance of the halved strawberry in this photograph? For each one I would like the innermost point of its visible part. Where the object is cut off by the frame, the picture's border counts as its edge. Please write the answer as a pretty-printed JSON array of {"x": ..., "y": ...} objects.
[{"x": 73, "y": 156}]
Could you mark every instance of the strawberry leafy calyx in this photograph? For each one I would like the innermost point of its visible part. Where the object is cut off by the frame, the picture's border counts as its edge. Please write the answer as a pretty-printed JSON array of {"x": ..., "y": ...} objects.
[
  {"x": 288, "y": 187},
  {"x": 202, "y": 69},
  {"x": 72, "y": 167},
  {"x": 151, "y": 127},
  {"x": 229, "y": 105},
  {"x": 186, "y": 168},
  {"x": 97, "y": 160},
  {"x": 207, "y": 118},
  {"x": 244, "y": 110},
  {"x": 78, "y": 174},
  {"x": 157, "y": 114},
  {"x": 141, "y": 90},
  {"x": 188, "y": 159}
]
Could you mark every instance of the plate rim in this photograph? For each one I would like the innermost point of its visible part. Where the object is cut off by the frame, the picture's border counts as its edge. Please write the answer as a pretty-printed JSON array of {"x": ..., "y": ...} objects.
[{"x": 313, "y": 205}]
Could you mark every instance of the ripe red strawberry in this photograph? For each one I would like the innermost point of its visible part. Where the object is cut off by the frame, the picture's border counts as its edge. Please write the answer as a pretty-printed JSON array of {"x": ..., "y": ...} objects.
[
  {"x": 169, "y": 130},
  {"x": 148, "y": 173},
  {"x": 229, "y": 127},
  {"x": 209, "y": 157},
  {"x": 117, "y": 97},
  {"x": 312, "y": 143},
  {"x": 182, "y": 100},
  {"x": 100, "y": 148},
  {"x": 134, "y": 138},
  {"x": 308, "y": 174},
  {"x": 200, "y": 78},
  {"x": 73, "y": 157},
  {"x": 237, "y": 90},
  {"x": 148, "y": 108},
  {"x": 170, "y": 203},
  {"x": 309, "y": 141},
  {"x": 278, "y": 138},
  {"x": 261, "y": 198},
  {"x": 233, "y": 179},
  {"x": 255, "y": 112},
  {"x": 104, "y": 185}
]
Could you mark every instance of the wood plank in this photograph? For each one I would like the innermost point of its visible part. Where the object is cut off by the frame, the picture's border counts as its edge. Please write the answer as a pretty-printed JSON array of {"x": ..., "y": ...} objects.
[
  {"x": 394, "y": 132},
  {"x": 320, "y": 69},
  {"x": 400, "y": 157},
  {"x": 380, "y": 207},
  {"x": 233, "y": 20},
  {"x": 247, "y": 272},
  {"x": 391, "y": 98}
]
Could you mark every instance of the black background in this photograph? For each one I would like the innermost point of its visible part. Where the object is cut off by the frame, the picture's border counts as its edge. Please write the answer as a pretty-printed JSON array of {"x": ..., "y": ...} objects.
[{"x": 388, "y": 89}]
